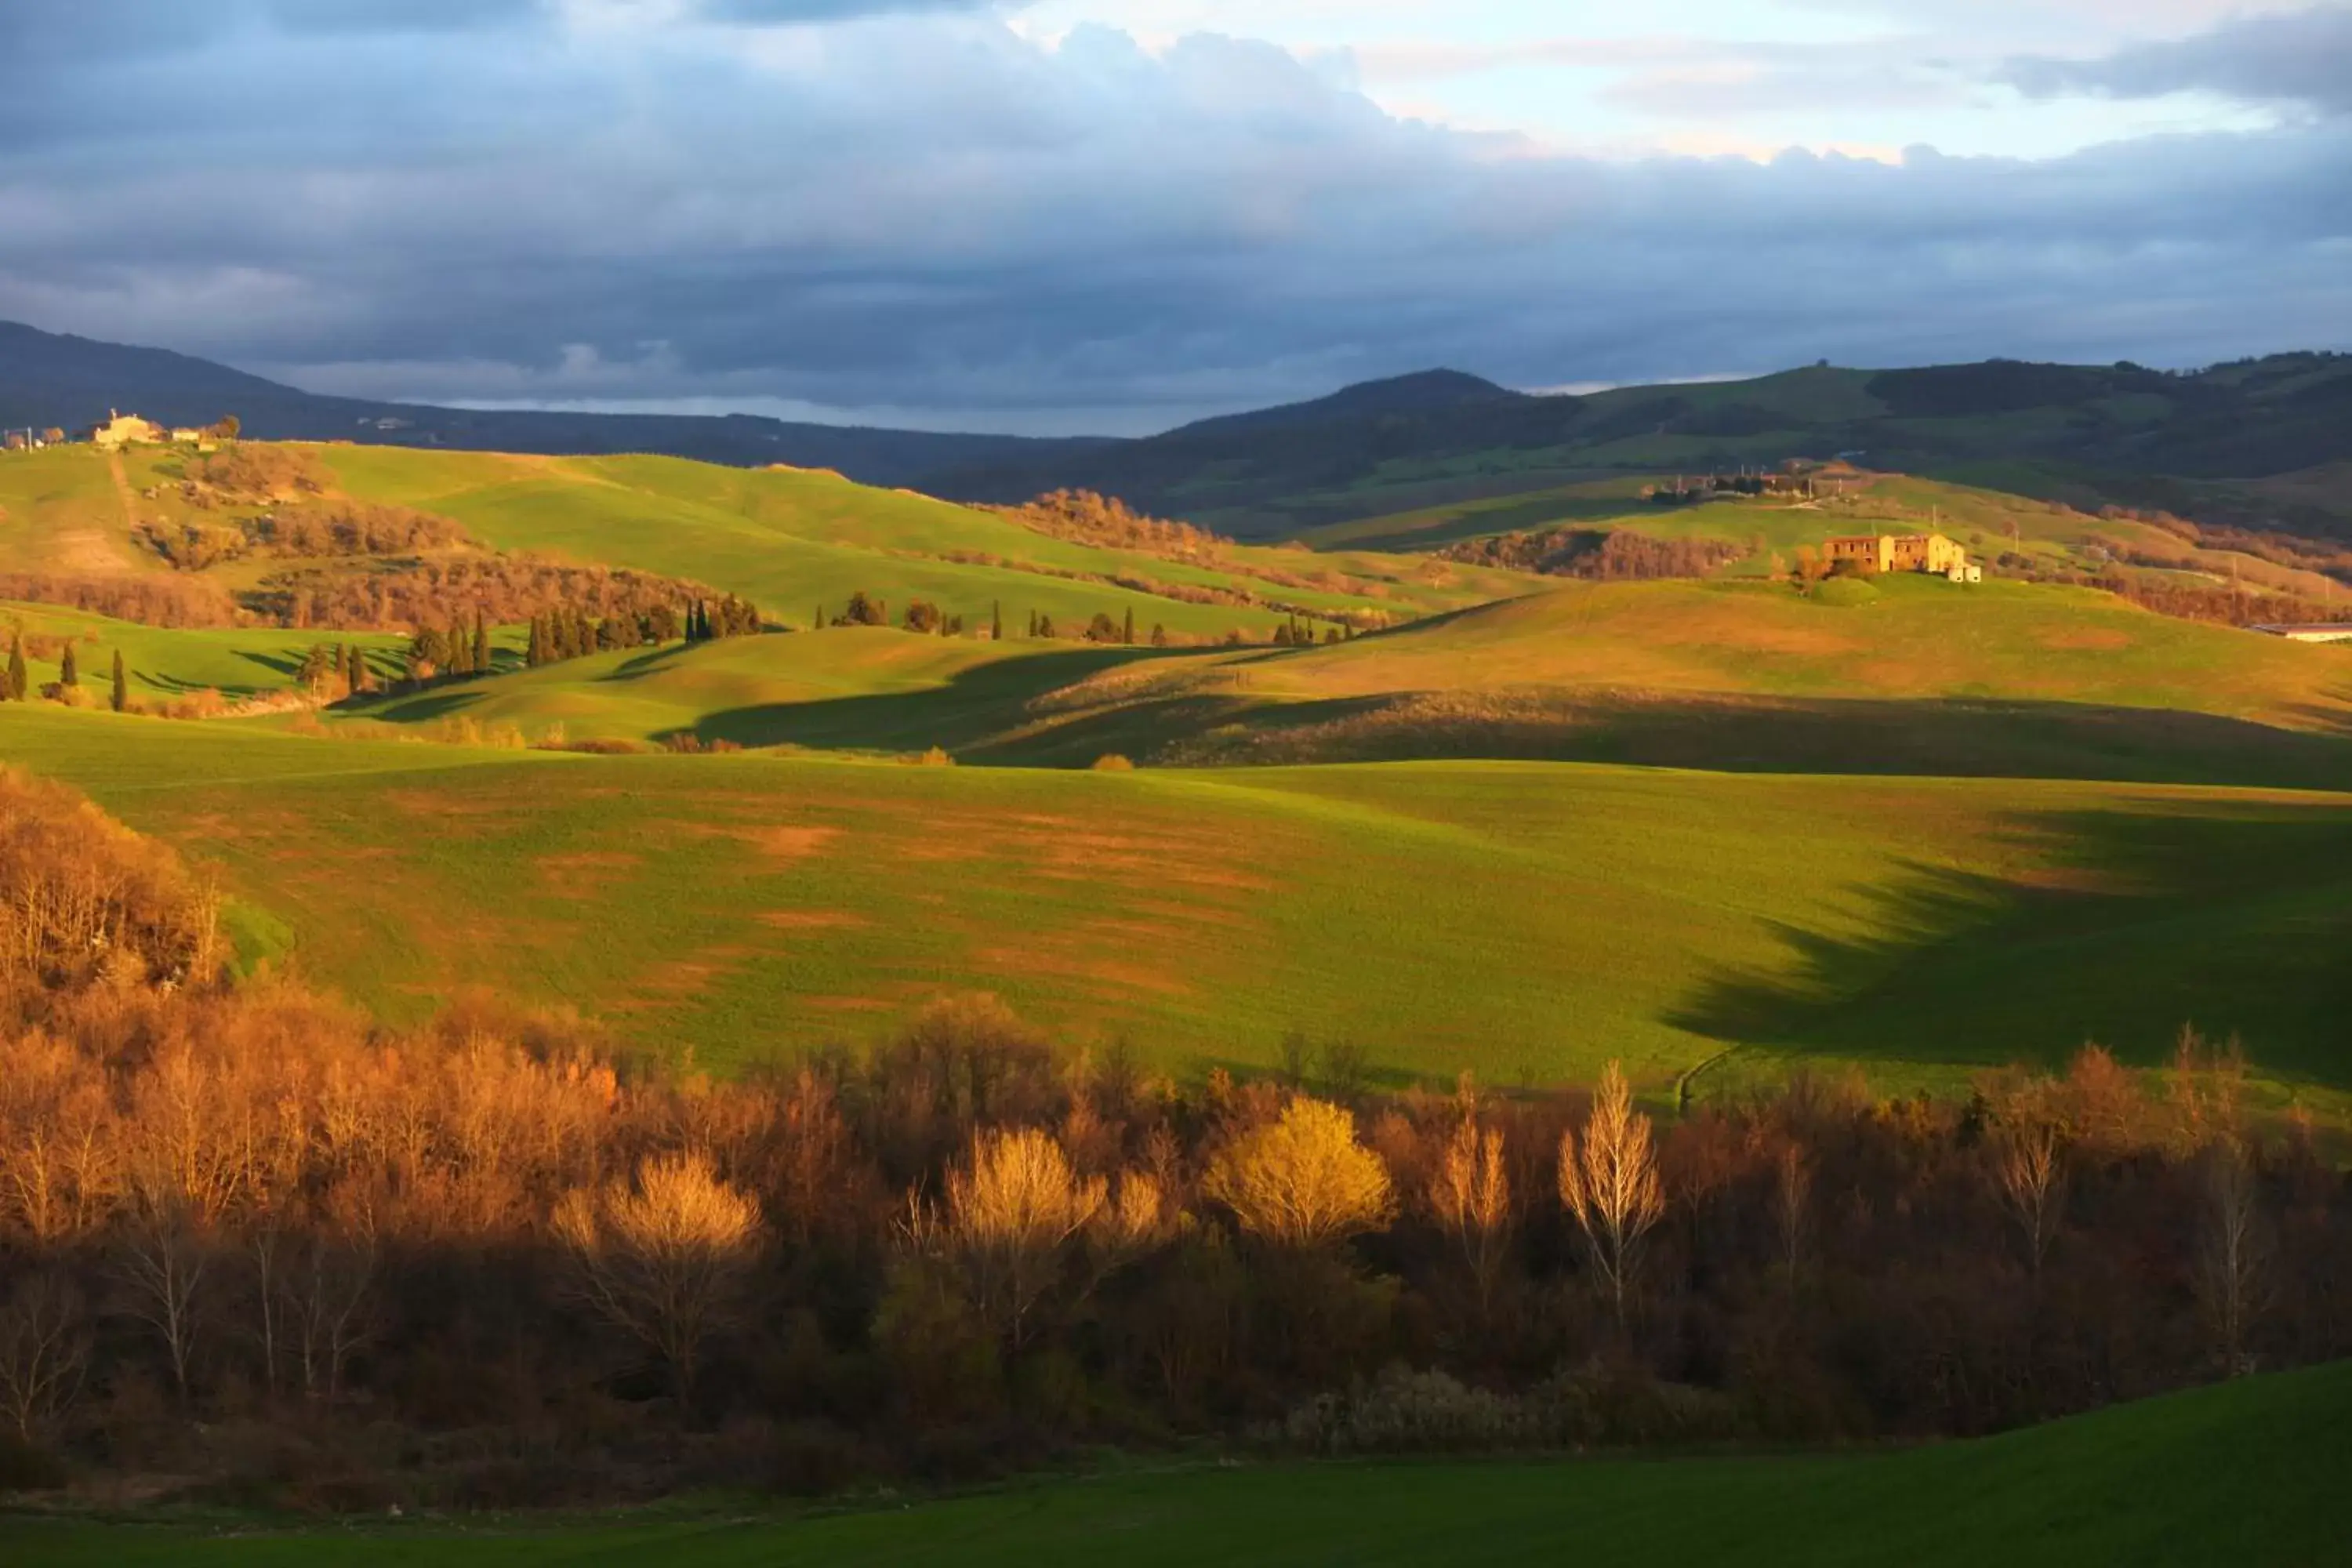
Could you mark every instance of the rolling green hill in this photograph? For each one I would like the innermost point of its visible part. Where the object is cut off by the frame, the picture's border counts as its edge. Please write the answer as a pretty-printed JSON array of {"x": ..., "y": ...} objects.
[
  {"x": 848, "y": 688},
  {"x": 1907, "y": 675},
  {"x": 743, "y": 906},
  {"x": 1990, "y": 523},
  {"x": 2250, "y": 1471},
  {"x": 163, "y": 664},
  {"x": 791, "y": 539}
]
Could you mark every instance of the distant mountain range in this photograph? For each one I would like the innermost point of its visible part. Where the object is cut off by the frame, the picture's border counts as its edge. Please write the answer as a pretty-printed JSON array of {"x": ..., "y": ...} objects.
[
  {"x": 2265, "y": 441},
  {"x": 49, "y": 379}
]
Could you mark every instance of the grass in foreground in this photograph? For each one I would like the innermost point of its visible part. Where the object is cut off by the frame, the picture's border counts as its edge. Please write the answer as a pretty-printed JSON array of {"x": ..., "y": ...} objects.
[{"x": 2251, "y": 1472}]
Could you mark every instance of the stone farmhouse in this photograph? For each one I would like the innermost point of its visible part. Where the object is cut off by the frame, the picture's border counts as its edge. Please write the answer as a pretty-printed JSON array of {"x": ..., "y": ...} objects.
[
  {"x": 126, "y": 429},
  {"x": 123, "y": 430},
  {"x": 1904, "y": 552}
]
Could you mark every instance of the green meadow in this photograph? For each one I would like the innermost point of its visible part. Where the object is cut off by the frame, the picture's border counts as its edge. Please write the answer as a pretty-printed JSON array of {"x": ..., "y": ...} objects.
[
  {"x": 161, "y": 664},
  {"x": 2250, "y": 1471},
  {"x": 736, "y": 908}
]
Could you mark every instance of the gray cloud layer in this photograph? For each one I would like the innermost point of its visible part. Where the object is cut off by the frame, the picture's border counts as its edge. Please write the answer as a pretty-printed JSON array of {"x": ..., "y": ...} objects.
[
  {"x": 2302, "y": 57},
  {"x": 930, "y": 213}
]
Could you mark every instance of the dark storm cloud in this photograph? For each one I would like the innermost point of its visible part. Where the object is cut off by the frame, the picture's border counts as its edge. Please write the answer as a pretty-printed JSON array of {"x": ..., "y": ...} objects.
[
  {"x": 931, "y": 214},
  {"x": 2302, "y": 57}
]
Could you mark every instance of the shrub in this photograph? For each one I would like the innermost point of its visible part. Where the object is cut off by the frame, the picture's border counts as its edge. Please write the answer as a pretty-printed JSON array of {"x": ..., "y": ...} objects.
[
  {"x": 1845, "y": 592},
  {"x": 1112, "y": 762}
]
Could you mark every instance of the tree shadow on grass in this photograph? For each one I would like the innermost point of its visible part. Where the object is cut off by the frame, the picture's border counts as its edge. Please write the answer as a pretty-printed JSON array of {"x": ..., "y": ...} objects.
[
  {"x": 979, "y": 704},
  {"x": 2234, "y": 915}
]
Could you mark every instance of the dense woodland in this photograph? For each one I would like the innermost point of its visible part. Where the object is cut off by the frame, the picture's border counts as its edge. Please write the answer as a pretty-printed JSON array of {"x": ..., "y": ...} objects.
[{"x": 250, "y": 1237}]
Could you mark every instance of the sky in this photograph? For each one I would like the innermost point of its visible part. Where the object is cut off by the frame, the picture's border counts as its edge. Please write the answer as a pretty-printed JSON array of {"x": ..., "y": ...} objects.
[{"x": 1112, "y": 215}]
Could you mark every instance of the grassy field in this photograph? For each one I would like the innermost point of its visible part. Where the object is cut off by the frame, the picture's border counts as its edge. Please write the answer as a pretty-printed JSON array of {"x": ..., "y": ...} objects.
[
  {"x": 1918, "y": 677},
  {"x": 1912, "y": 637},
  {"x": 743, "y": 906},
  {"x": 2251, "y": 1471},
  {"x": 857, "y": 688},
  {"x": 1913, "y": 675},
  {"x": 161, "y": 664}
]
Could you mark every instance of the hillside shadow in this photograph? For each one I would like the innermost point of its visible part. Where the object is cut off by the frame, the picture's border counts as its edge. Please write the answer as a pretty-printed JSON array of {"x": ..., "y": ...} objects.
[
  {"x": 2234, "y": 915},
  {"x": 1946, "y": 737},
  {"x": 974, "y": 706}
]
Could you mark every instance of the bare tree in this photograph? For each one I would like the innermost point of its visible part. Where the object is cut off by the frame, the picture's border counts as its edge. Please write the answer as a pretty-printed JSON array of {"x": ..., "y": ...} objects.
[
  {"x": 660, "y": 1258},
  {"x": 2231, "y": 1251},
  {"x": 1611, "y": 1184},
  {"x": 2028, "y": 1171},
  {"x": 1792, "y": 1193},
  {"x": 44, "y": 1347},
  {"x": 265, "y": 1250},
  {"x": 161, "y": 1257},
  {"x": 327, "y": 1288},
  {"x": 1011, "y": 1210},
  {"x": 1470, "y": 1192}
]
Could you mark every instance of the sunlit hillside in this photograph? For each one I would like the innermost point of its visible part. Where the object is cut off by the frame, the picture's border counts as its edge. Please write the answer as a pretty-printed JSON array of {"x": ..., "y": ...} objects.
[
  {"x": 749, "y": 906},
  {"x": 796, "y": 542}
]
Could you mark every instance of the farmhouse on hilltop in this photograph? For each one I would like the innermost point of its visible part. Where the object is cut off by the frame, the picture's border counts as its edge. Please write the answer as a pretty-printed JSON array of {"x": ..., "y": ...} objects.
[
  {"x": 1902, "y": 553},
  {"x": 124, "y": 429}
]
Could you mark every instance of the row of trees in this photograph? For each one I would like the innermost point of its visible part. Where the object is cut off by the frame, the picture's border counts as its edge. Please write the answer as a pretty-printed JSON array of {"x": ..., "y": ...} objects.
[
  {"x": 561, "y": 635},
  {"x": 15, "y": 678},
  {"x": 436, "y": 590},
  {"x": 1613, "y": 555},
  {"x": 966, "y": 1248}
]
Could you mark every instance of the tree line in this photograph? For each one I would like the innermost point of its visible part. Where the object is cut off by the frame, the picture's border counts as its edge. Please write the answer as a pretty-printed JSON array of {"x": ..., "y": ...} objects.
[
  {"x": 1606, "y": 554},
  {"x": 561, "y": 634},
  {"x": 17, "y": 678},
  {"x": 926, "y": 618},
  {"x": 249, "y": 1234}
]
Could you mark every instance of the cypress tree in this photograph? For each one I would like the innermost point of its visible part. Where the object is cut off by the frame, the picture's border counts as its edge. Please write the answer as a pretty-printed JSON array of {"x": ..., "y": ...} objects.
[
  {"x": 1127, "y": 634},
  {"x": 996, "y": 620},
  {"x": 17, "y": 682},
  {"x": 121, "y": 684},
  {"x": 481, "y": 645},
  {"x": 68, "y": 673},
  {"x": 818, "y": 624}
]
